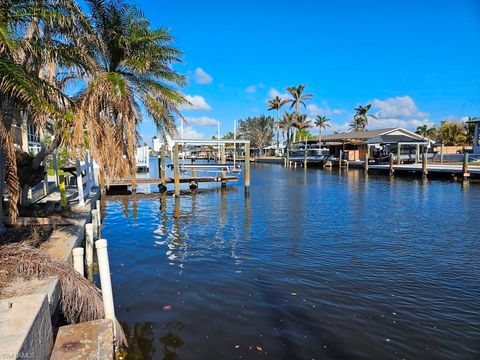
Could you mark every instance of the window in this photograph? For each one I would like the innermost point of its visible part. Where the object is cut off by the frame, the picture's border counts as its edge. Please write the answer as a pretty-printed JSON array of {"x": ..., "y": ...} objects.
[{"x": 33, "y": 134}]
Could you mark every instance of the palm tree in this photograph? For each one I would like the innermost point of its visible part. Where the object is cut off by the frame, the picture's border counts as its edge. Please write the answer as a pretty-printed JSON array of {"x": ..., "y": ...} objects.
[
  {"x": 298, "y": 98},
  {"x": 360, "y": 119},
  {"x": 422, "y": 130},
  {"x": 322, "y": 122},
  {"x": 276, "y": 104},
  {"x": 302, "y": 123},
  {"x": 287, "y": 123},
  {"x": 34, "y": 36},
  {"x": 133, "y": 66}
]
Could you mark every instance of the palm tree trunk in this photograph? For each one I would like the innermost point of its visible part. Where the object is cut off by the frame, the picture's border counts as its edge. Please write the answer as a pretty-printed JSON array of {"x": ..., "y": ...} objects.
[{"x": 3, "y": 169}]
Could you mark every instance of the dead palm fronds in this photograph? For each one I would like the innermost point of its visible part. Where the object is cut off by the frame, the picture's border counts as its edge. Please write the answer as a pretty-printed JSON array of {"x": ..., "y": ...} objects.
[{"x": 80, "y": 299}]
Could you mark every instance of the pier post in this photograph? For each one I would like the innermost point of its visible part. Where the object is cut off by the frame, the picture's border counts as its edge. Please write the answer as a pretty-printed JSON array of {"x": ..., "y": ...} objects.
[
  {"x": 223, "y": 155},
  {"x": 246, "y": 173},
  {"x": 398, "y": 153},
  {"x": 162, "y": 170},
  {"x": 63, "y": 193},
  {"x": 340, "y": 159},
  {"x": 89, "y": 243},
  {"x": 391, "y": 168},
  {"x": 365, "y": 165},
  {"x": 442, "y": 151},
  {"x": 78, "y": 260},
  {"x": 105, "y": 281},
  {"x": 176, "y": 170},
  {"x": 98, "y": 207},
  {"x": 424, "y": 166},
  {"x": 417, "y": 154},
  {"x": 465, "y": 173},
  {"x": 96, "y": 225}
]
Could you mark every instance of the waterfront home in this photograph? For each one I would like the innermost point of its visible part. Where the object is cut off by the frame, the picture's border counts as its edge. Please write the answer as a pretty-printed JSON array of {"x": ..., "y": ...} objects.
[{"x": 356, "y": 144}]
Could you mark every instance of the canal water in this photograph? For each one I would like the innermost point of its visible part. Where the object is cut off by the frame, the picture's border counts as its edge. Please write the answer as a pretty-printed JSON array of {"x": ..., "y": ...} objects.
[{"x": 315, "y": 264}]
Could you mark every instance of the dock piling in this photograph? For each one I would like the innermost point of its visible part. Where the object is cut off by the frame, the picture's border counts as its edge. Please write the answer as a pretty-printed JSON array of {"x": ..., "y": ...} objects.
[
  {"x": 246, "y": 173},
  {"x": 96, "y": 224},
  {"x": 105, "y": 281},
  {"x": 89, "y": 240},
  {"x": 442, "y": 151},
  {"x": 162, "y": 169},
  {"x": 465, "y": 167},
  {"x": 399, "y": 146},
  {"x": 424, "y": 166},
  {"x": 78, "y": 260},
  {"x": 176, "y": 170},
  {"x": 365, "y": 165},
  {"x": 391, "y": 168}
]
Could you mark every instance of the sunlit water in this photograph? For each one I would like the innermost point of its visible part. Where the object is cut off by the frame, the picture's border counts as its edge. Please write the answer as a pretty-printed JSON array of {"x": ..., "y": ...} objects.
[{"x": 314, "y": 265}]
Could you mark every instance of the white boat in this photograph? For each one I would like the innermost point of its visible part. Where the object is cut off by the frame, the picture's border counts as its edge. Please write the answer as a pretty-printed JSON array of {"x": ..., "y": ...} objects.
[{"x": 314, "y": 156}]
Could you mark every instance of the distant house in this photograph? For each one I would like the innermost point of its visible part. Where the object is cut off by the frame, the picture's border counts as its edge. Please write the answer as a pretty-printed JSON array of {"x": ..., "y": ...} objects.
[
  {"x": 356, "y": 144},
  {"x": 26, "y": 136},
  {"x": 476, "y": 135}
]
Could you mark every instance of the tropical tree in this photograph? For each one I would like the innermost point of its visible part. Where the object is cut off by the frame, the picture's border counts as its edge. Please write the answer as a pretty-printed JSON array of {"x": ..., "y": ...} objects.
[
  {"x": 276, "y": 104},
  {"x": 452, "y": 133},
  {"x": 360, "y": 119},
  {"x": 133, "y": 66},
  {"x": 298, "y": 98},
  {"x": 36, "y": 37},
  {"x": 259, "y": 130},
  {"x": 302, "y": 123},
  {"x": 286, "y": 124},
  {"x": 322, "y": 122}
]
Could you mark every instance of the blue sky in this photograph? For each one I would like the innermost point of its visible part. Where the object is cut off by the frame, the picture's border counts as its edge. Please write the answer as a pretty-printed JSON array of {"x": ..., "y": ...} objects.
[{"x": 415, "y": 61}]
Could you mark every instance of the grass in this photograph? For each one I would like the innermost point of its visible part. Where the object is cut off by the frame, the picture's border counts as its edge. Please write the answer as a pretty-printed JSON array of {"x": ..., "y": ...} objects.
[{"x": 60, "y": 172}]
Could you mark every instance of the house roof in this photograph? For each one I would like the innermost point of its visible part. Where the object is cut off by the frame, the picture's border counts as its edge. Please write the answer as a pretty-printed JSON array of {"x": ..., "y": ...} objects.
[
  {"x": 474, "y": 120},
  {"x": 383, "y": 135}
]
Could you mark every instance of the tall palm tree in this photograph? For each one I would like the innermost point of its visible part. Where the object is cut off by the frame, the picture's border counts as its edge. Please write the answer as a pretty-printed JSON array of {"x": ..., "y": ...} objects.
[
  {"x": 287, "y": 123},
  {"x": 360, "y": 119},
  {"x": 276, "y": 104},
  {"x": 133, "y": 66},
  {"x": 422, "y": 130},
  {"x": 322, "y": 122},
  {"x": 298, "y": 98},
  {"x": 34, "y": 35}
]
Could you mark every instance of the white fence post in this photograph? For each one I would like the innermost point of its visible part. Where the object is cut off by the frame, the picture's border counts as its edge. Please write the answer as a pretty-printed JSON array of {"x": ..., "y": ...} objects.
[
  {"x": 78, "y": 260},
  {"x": 81, "y": 198},
  {"x": 105, "y": 281},
  {"x": 89, "y": 241}
]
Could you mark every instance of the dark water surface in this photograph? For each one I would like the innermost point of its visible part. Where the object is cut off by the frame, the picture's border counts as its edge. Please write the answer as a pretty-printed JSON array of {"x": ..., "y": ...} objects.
[{"x": 314, "y": 265}]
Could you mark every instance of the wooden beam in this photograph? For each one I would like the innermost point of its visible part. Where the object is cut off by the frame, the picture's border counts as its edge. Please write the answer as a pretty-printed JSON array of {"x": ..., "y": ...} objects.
[
  {"x": 246, "y": 172},
  {"x": 176, "y": 170}
]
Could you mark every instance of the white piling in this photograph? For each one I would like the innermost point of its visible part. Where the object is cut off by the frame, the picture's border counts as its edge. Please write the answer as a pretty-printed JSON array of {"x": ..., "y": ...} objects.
[
  {"x": 98, "y": 207},
  {"x": 96, "y": 225},
  {"x": 78, "y": 260},
  {"x": 89, "y": 241},
  {"x": 105, "y": 281}
]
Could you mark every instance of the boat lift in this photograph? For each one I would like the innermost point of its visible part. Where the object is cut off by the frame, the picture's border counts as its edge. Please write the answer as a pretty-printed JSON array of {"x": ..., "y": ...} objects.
[{"x": 222, "y": 167}]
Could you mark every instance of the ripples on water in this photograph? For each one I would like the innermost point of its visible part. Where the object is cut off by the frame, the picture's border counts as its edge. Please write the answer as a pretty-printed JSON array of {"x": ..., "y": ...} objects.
[{"x": 314, "y": 265}]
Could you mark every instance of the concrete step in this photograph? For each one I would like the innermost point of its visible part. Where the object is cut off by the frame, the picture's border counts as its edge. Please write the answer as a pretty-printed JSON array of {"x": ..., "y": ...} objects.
[
  {"x": 89, "y": 340},
  {"x": 25, "y": 327}
]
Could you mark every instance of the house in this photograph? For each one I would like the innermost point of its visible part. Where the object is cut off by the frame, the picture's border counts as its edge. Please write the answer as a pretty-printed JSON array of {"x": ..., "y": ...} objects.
[
  {"x": 356, "y": 144},
  {"x": 26, "y": 136},
  {"x": 476, "y": 135}
]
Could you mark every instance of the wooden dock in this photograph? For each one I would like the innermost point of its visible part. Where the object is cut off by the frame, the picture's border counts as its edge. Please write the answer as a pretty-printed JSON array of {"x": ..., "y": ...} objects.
[
  {"x": 168, "y": 180},
  {"x": 445, "y": 169}
]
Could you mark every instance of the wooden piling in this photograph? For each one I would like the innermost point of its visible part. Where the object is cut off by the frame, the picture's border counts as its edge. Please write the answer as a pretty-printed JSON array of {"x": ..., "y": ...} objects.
[
  {"x": 424, "y": 166},
  {"x": 365, "y": 165},
  {"x": 246, "y": 172},
  {"x": 442, "y": 151},
  {"x": 465, "y": 167},
  {"x": 398, "y": 153},
  {"x": 340, "y": 159},
  {"x": 223, "y": 158},
  {"x": 176, "y": 170},
  {"x": 391, "y": 168}
]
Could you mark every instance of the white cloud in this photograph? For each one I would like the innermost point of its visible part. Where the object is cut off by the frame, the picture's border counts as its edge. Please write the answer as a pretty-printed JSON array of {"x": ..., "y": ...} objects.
[
  {"x": 190, "y": 133},
  {"x": 397, "y": 107},
  {"x": 274, "y": 92},
  {"x": 202, "y": 77},
  {"x": 202, "y": 121},
  {"x": 324, "y": 110},
  {"x": 409, "y": 124},
  {"x": 399, "y": 111},
  {"x": 197, "y": 103}
]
